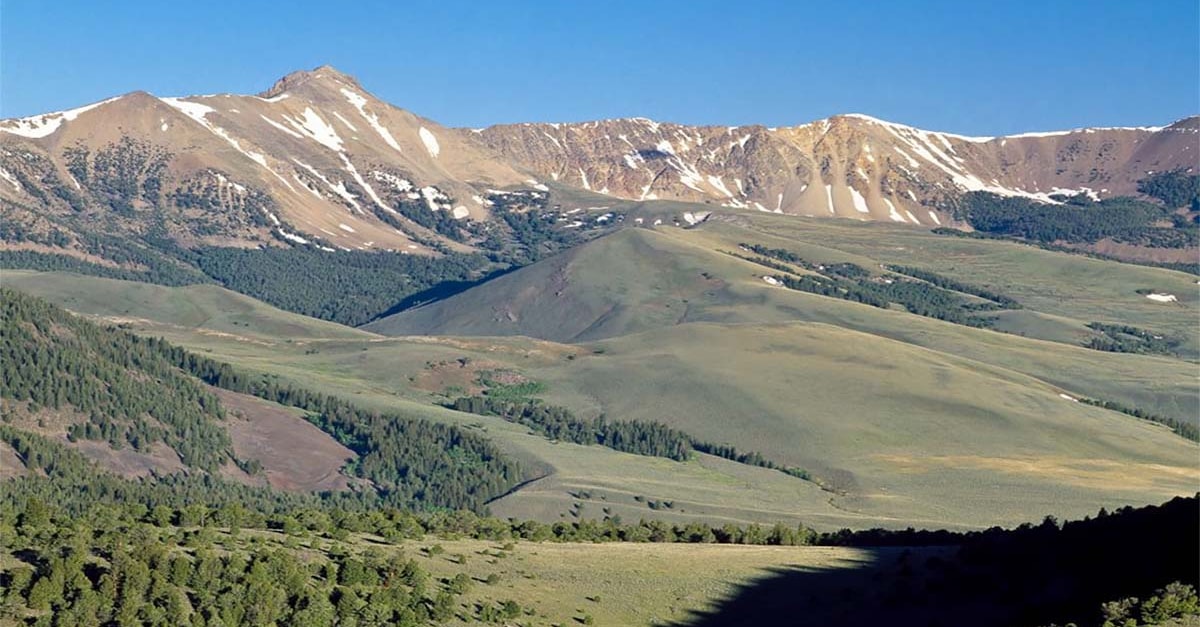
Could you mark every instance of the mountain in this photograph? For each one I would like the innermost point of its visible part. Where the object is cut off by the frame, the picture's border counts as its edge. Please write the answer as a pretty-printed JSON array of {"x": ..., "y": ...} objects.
[
  {"x": 316, "y": 158},
  {"x": 851, "y": 166},
  {"x": 317, "y": 161}
]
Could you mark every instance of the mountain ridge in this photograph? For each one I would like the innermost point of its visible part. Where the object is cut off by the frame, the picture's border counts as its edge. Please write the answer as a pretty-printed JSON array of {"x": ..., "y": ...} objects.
[{"x": 316, "y": 160}]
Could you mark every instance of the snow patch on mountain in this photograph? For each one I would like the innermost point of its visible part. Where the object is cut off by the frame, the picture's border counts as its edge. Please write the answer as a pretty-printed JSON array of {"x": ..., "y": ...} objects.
[
  {"x": 6, "y": 175},
  {"x": 317, "y": 129},
  {"x": 345, "y": 121},
  {"x": 860, "y": 203},
  {"x": 431, "y": 142},
  {"x": 363, "y": 183},
  {"x": 47, "y": 123},
  {"x": 199, "y": 112},
  {"x": 360, "y": 103}
]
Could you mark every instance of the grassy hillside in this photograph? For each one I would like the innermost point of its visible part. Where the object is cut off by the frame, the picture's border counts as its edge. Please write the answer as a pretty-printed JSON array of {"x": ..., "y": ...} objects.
[
  {"x": 214, "y": 309},
  {"x": 630, "y": 281},
  {"x": 910, "y": 420}
]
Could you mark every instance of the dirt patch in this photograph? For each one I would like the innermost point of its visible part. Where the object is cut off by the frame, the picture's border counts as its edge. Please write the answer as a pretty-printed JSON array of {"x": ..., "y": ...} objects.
[
  {"x": 1133, "y": 252},
  {"x": 125, "y": 461},
  {"x": 128, "y": 463},
  {"x": 10, "y": 463},
  {"x": 465, "y": 376},
  {"x": 295, "y": 455}
]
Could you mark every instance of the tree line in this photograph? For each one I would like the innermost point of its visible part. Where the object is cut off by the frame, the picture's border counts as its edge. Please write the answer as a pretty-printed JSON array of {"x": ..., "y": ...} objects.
[
  {"x": 639, "y": 437},
  {"x": 1179, "y": 427},
  {"x": 1123, "y": 338},
  {"x": 559, "y": 423},
  {"x": 955, "y": 285},
  {"x": 1078, "y": 220}
]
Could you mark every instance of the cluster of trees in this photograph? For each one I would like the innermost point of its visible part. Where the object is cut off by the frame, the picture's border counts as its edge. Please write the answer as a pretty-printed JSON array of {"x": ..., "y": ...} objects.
[
  {"x": 412, "y": 462},
  {"x": 1179, "y": 427},
  {"x": 418, "y": 211},
  {"x": 129, "y": 391},
  {"x": 752, "y": 458},
  {"x": 1175, "y": 188},
  {"x": 1007, "y": 302},
  {"x": 559, "y": 423},
  {"x": 1174, "y": 601},
  {"x": 781, "y": 254},
  {"x": 125, "y": 172},
  {"x": 348, "y": 287},
  {"x": 1079, "y": 220},
  {"x": 1123, "y": 338},
  {"x": 932, "y": 296},
  {"x": 1191, "y": 267},
  {"x": 119, "y": 573},
  {"x": 631, "y": 436},
  {"x": 530, "y": 231},
  {"x": 918, "y": 298},
  {"x": 13, "y": 231}
]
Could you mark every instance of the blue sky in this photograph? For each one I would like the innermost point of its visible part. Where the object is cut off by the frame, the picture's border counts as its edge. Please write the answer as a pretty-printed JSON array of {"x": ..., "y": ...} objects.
[{"x": 980, "y": 68}]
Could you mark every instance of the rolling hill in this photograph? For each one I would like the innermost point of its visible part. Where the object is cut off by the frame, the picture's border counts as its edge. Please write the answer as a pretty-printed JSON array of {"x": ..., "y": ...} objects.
[{"x": 899, "y": 416}]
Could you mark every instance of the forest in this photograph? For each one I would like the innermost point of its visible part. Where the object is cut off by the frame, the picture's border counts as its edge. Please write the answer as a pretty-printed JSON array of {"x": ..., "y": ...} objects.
[
  {"x": 1123, "y": 338},
  {"x": 1175, "y": 189},
  {"x": 52, "y": 359},
  {"x": 347, "y": 287},
  {"x": 1080, "y": 220}
]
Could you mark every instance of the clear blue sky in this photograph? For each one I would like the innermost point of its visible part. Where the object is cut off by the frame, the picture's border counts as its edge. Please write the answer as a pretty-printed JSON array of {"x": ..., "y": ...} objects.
[{"x": 969, "y": 67}]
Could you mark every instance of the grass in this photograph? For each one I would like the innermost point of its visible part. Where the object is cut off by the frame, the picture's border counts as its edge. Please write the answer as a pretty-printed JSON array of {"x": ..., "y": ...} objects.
[
  {"x": 215, "y": 310},
  {"x": 558, "y": 584},
  {"x": 909, "y": 420}
]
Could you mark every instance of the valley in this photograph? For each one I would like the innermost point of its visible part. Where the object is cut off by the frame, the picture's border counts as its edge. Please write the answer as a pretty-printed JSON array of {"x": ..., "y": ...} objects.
[
  {"x": 612, "y": 372},
  {"x": 683, "y": 333}
]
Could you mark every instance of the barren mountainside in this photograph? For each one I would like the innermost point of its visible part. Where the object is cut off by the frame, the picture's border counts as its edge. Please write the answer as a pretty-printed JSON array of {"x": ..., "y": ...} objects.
[
  {"x": 316, "y": 160},
  {"x": 848, "y": 165}
]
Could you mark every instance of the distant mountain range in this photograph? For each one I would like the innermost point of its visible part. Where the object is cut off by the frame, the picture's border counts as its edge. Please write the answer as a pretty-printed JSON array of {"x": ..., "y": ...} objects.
[{"x": 317, "y": 160}]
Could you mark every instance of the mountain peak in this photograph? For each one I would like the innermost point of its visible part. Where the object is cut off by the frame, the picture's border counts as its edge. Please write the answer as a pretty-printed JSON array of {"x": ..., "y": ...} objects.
[{"x": 300, "y": 77}]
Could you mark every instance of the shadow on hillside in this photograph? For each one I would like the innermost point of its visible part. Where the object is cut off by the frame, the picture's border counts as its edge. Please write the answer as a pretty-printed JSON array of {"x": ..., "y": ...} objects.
[
  {"x": 1032, "y": 575},
  {"x": 441, "y": 291},
  {"x": 894, "y": 587}
]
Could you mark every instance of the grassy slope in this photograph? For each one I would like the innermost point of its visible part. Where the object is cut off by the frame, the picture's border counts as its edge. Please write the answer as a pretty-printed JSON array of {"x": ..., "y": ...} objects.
[
  {"x": 1059, "y": 284},
  {"x": 638, "y": 280},
  {"x": 948, "y": 424},
  {"x": 215, "y": 310},
  {"x": 372, "y": 372},
  {"x": 614, "y": 583}
]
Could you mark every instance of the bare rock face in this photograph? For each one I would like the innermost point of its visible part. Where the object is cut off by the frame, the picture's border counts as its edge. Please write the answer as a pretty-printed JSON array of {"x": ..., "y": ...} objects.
[
  {"x": 848, "y": 166},
  {"x": 299, "y": 77}
]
